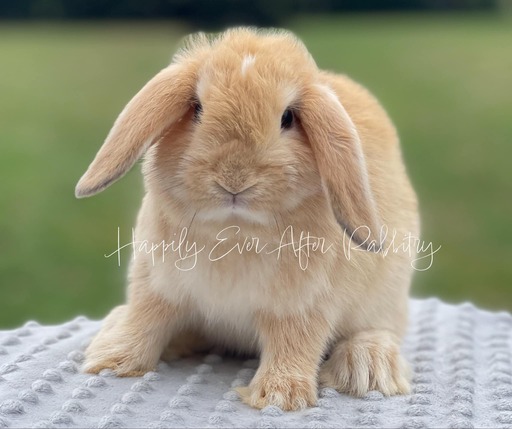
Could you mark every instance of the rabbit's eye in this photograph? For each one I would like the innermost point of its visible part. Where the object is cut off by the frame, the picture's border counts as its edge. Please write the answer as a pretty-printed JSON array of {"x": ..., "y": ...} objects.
[
  {"x": 287, "y": 119},
  {"x": 198, "y": 108}
]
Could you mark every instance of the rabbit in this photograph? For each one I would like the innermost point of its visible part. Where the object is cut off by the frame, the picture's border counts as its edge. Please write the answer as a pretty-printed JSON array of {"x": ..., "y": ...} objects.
[{"x": 245, "y": 140}]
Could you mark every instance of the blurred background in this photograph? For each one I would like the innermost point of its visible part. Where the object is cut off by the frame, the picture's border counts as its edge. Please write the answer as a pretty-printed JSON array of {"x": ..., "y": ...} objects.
[{"x": 442, "y": 69}]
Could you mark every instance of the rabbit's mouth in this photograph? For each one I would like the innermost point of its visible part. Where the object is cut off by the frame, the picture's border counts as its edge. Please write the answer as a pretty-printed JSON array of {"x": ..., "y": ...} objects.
[
  {"x": 234, "y": 209},
  {"x": 238, "y": 206},
  {"x": 237, "y": 202}
]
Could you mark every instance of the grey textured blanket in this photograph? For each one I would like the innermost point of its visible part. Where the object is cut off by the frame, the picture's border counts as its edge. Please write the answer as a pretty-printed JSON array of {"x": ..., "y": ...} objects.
[{"x": 461, "y": 357}]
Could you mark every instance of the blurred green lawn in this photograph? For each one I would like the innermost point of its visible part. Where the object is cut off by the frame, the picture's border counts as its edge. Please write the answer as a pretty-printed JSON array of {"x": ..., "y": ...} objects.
[{"x": 445, "y": 80}]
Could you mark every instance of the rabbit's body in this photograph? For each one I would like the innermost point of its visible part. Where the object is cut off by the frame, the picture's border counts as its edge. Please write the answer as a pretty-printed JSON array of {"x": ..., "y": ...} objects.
[{"x": 252, "y": 291}]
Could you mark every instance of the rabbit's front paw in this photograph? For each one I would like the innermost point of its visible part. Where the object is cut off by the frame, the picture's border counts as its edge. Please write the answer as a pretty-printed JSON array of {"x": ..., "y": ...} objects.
[
  {"x": 370, "y": 360},
  {"x": 126, "y": 351},
  {"x": 124, "y": 360},
  {"x": 284, "y": 391},
  {"x": 123, "y": 364}
]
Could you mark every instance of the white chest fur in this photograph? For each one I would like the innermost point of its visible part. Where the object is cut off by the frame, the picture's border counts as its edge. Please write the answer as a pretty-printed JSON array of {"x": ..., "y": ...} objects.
[{"x": 229, "y": 277}]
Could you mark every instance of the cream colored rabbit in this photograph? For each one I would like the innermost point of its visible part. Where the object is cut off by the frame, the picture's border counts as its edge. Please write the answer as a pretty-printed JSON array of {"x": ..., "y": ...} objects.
[{"x": 247, "y": 141}]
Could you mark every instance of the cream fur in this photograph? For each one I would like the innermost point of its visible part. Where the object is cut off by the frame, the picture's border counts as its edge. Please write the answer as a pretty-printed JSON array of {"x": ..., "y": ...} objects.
[{"x": 340, "y": 163}]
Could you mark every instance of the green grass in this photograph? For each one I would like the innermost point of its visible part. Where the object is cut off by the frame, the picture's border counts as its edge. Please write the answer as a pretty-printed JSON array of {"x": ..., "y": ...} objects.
[{"x": 445, "y": 80}]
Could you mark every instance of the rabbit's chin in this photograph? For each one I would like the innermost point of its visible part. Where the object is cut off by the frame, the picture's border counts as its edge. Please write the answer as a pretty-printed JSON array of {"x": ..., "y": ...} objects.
[{"x": 233, "y": 215}]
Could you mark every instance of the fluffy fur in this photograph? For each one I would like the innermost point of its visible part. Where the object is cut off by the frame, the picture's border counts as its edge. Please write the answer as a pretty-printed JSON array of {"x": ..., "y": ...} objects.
[{"x": 210, "y": 126}]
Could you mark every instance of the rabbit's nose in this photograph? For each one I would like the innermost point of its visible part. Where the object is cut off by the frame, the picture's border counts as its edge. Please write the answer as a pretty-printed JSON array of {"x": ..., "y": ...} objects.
[
  {"x": 234, "y": 189},
  {"x": 227, "y": 188}
]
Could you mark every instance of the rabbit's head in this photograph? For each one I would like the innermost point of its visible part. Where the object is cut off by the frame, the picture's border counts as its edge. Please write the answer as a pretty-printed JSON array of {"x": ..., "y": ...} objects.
[{"x": 240, "y": 126}]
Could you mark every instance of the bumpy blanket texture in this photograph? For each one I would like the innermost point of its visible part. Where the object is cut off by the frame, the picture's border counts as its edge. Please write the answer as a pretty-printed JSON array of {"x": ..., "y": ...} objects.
[{"x": 461, "y": 358}]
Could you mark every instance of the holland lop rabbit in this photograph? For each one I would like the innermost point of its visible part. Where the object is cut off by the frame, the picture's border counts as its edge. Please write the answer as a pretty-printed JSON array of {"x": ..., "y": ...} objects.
[{"x": 246, "y": 140}]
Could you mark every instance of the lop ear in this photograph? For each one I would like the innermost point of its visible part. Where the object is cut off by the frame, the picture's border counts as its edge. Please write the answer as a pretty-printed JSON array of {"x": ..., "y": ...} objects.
[
  {"x": 341, "y": 163},
  {"x": 161, "y": 102}
]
